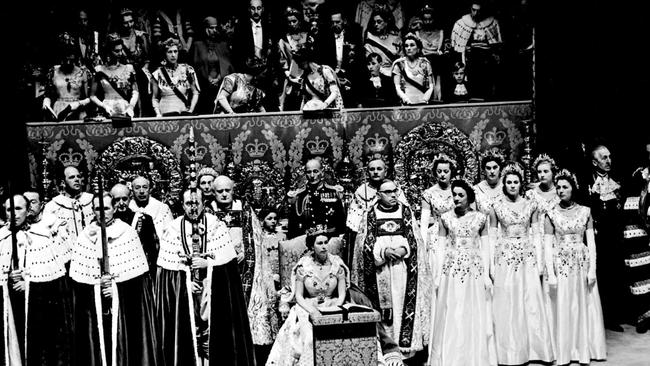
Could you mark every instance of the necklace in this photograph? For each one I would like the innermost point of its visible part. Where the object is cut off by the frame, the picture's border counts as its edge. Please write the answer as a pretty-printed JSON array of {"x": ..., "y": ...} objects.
[
  {"x": 545, "y": 189},
  {"x": 319, "y": 263},
  {"x": 567, "y": 207}
]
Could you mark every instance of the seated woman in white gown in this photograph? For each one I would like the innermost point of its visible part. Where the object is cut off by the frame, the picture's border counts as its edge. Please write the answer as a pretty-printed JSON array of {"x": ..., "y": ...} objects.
[{"x": 320, "y": 280}]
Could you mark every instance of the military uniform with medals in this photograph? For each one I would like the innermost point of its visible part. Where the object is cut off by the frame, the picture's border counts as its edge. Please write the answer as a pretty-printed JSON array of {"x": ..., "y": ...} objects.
[{"x": 312, "y": 206}]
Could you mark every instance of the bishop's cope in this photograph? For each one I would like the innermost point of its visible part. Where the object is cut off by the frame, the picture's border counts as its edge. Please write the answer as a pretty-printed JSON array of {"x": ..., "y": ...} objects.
[
  {"x": 201, "y": 306},
  {"x": 390, "y": 265}
]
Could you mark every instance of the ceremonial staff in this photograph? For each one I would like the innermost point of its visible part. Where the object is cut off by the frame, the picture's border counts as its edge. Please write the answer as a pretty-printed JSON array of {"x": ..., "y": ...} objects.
[
  {"x": 106, "y": 269},
  {"x": 196, "y": 234},
  {"x": 103, "y": 261},
  {"x": 45, "y": 181},
  {"x": 192, "y": 156}
]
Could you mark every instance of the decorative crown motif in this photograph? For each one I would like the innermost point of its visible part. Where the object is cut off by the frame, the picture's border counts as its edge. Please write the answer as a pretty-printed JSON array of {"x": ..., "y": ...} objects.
[
  {"x": 257, "y": 149},
  {"x": 376, "y": 144},
  {"x": 566, "y": 174},
  {"x": 199, "y": 152},
  {"x": 544, "y": 158},
  {"x": 513, "y": 167},
  {"x": 494, "y": 137},
  {"x": 70, "y": 158},
  {"x": 317, "y": 146},
  {"x": 444, "y": 157}
]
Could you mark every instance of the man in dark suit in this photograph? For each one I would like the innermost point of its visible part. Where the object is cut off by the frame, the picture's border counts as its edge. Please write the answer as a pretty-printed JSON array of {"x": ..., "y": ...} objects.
[
  {"x": 606, "y": 201},
  {"x": 254, "y": 38},
  {"x": 253, "y": 35},
  {"x": 373, "y": 88},
  {"x": 342, "y": 51}
]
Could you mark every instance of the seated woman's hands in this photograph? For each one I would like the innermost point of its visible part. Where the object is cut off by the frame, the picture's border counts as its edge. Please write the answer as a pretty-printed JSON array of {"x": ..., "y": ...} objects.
[{"x": 313, "y": 313}]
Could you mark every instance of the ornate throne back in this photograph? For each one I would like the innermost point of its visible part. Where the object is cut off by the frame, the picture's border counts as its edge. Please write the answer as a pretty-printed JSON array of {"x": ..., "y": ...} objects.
[{"x": 290, "y": 251}]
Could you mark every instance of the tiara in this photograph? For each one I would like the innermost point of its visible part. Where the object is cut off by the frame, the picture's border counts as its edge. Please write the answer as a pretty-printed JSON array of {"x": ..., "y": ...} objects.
[
  {"x": 426, "y": 8},
  {"x": 317, "y": 230},
  {"x": 170, "y": 42},
  {"x": 126, "y": 11},
  {"x": 566, "y": 174},
  {"x": 290, "y": 10},
  {"x": 493, "y": 153},
  {"x": 465, "y": 180},
  {"x": 441, "y": 156},
  {"x": 207, "y": 171},
  {"x": 544, "y": 157},
  {"x": 513, "y": 167},
  {"x": 65, "y": 38},
  {"x": 113, "y": 37},
  {"x": 411, "y": 34}
]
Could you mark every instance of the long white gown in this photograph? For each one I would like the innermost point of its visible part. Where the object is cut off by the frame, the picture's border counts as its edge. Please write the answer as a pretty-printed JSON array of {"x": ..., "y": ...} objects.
[
  {"x": 521, "y": 323},
  {"x": 577, "y": 313},
  {"x": 463, "y": 334},
  {"x": 440, "y": 202}
]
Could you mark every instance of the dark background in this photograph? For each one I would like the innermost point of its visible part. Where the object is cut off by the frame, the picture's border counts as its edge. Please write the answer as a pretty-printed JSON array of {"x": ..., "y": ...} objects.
[{"x": 590, "y": 80}]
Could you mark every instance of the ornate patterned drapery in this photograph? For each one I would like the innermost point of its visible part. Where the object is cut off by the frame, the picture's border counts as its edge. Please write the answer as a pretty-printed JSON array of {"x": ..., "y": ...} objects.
[{"x": 282, "y": 142}]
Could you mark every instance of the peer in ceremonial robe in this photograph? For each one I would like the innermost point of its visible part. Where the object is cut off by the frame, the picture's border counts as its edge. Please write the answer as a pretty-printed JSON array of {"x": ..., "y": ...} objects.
[
  {"x": 145, "y": 203},
  {"x": 113, "y": 304},
  {"x": 36, "y": 298},
  {"x": 72, "y": 206},
  {"x": 199, "y": 296},
  {"x": 140, "y": 221},
  {"x": 637, "y": 213}
]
